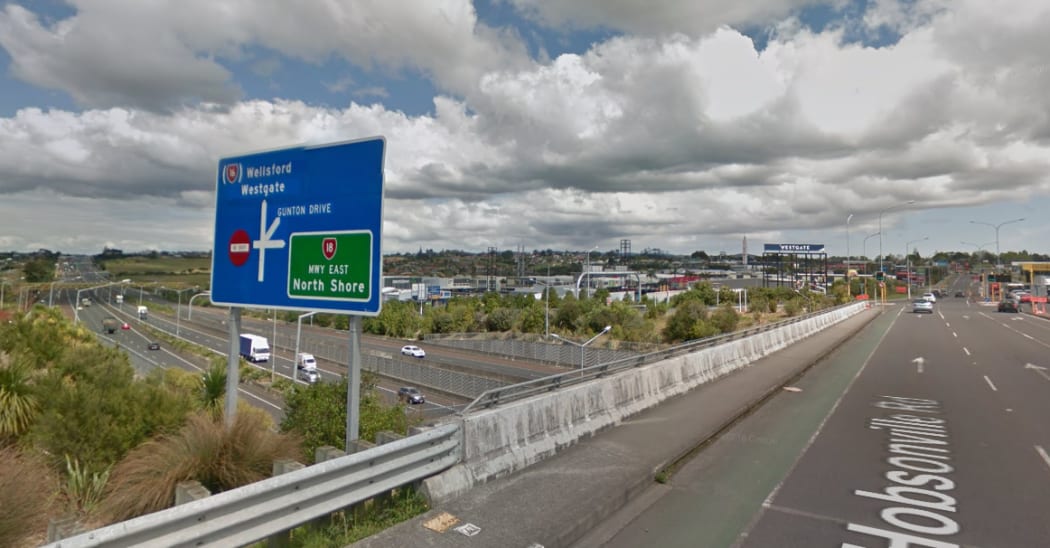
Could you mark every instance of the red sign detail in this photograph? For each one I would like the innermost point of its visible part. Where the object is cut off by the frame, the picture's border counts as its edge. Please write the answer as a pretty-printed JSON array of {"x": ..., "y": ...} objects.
[
  {"x": 232, "y": 172},
  {"x": 240, "y": 247},
  {"x": 328, "y": 248}
]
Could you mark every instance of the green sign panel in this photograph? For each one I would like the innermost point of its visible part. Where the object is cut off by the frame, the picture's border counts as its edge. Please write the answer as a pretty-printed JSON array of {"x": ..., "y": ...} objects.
[{"x": 334, "y": 266}]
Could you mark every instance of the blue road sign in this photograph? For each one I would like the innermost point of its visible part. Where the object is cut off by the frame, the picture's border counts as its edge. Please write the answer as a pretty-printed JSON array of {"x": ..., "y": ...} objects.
[{"x": 301, "y": 229}]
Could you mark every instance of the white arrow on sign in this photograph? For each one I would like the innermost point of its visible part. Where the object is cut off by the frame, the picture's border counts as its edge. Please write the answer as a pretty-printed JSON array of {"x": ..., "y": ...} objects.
[
  {"x": 919, "y": 361},
  {"x": 1038, "y": 369},
  {"x": 264, "y": 242}
]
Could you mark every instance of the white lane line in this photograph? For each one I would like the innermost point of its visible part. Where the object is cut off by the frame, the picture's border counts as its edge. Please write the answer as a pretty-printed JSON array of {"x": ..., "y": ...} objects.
[
  {"x": 989, "y": 381},
  {"x": 1027, "y": 336},
  {"x": 1042, "y": 453},
  {"x": 946, "y": 324},
  {"x": 941, "y": 314},
  {"x": 967, "y": 351},
  {"x": 954, "y": 334},
  {"x": 820, "y": 427}
]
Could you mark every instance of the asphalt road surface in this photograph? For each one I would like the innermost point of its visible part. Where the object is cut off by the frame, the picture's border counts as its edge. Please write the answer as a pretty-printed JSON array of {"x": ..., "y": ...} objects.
[{"x": 924, "y": 430}]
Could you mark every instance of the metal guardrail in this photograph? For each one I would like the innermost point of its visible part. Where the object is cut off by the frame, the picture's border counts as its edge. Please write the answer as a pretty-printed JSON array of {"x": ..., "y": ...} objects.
[
  {"x": 526, "y": 389},
  {"x": 263, "y": 509}
]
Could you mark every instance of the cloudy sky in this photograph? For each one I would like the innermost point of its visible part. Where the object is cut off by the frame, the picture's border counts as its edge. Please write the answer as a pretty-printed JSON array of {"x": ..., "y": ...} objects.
[{"x": 681, "y": 125}]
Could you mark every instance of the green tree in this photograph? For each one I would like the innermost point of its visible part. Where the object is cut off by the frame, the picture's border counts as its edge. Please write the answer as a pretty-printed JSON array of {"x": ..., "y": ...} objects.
[
  {"x": 317, "y": 414},
  {"x": 688, "y": 322},
  {"x": 39, "y": 270},
  {"x": 725, "y": 319},
  {"x": 501, "y": 319}
]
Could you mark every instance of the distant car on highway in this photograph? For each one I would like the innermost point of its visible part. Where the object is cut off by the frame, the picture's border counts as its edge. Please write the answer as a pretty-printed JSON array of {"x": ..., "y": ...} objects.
[
  {"x": 930, "y": 297},
  {"x": 154, "y": 346},
  {"x": 959, "y": 294},
  {"x": 1009, "y": 305},
  {"x": 414, "y": 351},
  {"x": 919, "y": 306},
  {"x": 410, "y": 395},
  {"x": 125, "y": 326}
]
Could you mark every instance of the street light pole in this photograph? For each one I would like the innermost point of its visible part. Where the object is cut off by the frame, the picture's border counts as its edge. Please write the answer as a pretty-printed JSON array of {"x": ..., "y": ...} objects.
[
  {"x": 581, "y": 346},
  {"x": 998, "y": 258},
  {"x": 880, "y": 228},
  {"x": 907, "y": 258},
  {"x": 849, "y": 290},
  {"x": 189, "y": 316}
]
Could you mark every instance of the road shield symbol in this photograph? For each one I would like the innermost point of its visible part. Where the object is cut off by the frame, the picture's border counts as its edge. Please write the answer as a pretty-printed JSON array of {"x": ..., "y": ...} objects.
[
  {"x": 328, "y": 248},
  {"x": 233, "y": 172}
]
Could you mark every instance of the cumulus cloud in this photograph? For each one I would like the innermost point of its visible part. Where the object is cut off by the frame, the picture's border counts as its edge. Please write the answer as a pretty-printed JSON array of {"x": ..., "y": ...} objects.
[
  {"x": 665, "y": 137},
  {"x": 657, "y": 17},
  {"x": 163, "y": 55}
]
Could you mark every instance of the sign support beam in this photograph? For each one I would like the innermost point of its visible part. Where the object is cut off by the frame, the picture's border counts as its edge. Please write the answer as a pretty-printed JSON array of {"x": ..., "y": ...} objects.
[
  {"x": 353, "y": 390},
  {"x": 233, "y": 365}
]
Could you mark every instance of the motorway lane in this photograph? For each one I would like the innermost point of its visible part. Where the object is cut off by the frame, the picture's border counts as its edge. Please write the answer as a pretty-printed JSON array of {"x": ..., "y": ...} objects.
[
  {"x": 969, "y": 452},
  {"x": 437, "y": 404},
  {"x": 330, "y": 342},
  {"x": 982, "y": 445}
]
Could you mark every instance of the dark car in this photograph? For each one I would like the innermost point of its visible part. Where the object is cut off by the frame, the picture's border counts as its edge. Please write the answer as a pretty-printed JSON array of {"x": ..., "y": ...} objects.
[
  {"x": 154, "y": 346},
  {"x": 1009, "y": 305},
  {"x": 410, "y": 395},
  {"x": 959, "y": 294}
]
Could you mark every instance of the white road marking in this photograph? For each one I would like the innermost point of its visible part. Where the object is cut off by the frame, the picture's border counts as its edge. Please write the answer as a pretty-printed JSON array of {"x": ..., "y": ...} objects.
[
  {"x": 1042, "y": 453},
  {"x": 1037, "y": 369},
  {"x": 919, "y": 361},
  {"x": 954, "y": 334},
  {"x": 967, "y": 351},
  {"x": 772, "y": 494},
  {"x": 1027, "y": 336},
  {"x": 946, "y": 324},
  {"x": 989, "y": 381}
]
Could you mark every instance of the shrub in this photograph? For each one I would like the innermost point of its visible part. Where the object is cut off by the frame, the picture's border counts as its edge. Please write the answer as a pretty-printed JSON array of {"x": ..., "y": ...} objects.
[
  {"x": 205, "y": 450},
  {"x": 25, "y": 496},
  {"x": 725, "y": 318}
]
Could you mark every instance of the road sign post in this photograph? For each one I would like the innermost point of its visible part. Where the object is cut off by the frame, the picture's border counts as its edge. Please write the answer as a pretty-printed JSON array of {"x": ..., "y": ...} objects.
[{"x": 301, "y": 229}]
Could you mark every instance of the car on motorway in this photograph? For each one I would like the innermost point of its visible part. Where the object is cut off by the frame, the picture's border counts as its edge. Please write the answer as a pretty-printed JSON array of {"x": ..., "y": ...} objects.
[
  {"x": 959, "y": 294},
  {"x": 154, "y": 346},
  {"x": 930, "y": 297},
  {"x": 919, "y": 306},
  {"x": 309, "y": 376},
  {"x": 1009, "y": 305},
  {"x": 410, "y": 395},
  {"x": 413, "y": 350},
  {"x": 125, "y": 326}
]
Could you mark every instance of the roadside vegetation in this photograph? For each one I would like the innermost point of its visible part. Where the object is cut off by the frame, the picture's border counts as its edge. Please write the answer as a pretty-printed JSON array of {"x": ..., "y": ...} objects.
[{"x": 81, "y": 435}]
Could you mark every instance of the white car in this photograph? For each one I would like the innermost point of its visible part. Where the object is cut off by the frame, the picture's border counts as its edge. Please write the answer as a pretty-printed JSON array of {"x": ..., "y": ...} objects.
[
  {"x": 920, "y": 306},
  {"x": 412, "y": 350},
  {"x": 929, "y": 297}
]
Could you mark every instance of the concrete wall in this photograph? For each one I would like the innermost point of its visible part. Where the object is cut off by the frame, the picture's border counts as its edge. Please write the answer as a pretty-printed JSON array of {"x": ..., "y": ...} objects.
[{"x": 499, "y": 441}]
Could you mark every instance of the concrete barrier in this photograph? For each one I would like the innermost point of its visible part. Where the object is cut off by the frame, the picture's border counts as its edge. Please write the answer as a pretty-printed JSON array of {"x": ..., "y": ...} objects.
[{"x": 499, "y": 441}]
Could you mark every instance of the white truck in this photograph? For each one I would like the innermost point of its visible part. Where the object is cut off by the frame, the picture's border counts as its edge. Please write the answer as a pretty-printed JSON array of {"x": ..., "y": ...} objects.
[
  {"x": 255, "y": 348},
  {"x": 143, "y": 313},
  {"x": 306, "y": 368}
]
